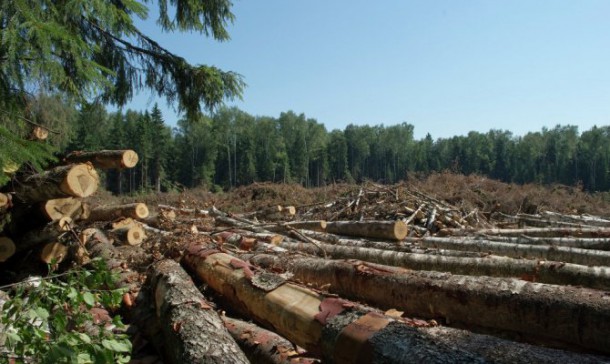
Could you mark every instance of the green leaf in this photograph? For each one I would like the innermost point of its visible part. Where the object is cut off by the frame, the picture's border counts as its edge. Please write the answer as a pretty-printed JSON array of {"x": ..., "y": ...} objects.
[
  {"x": 84, "y": 338},
  {"x": 13, "y": 337},
  {"x": 114, "y": 345},
  {"x": 89, "y": 299},
  {"x": 84, "y": 358},
  {"x": 42, "y": 313}
]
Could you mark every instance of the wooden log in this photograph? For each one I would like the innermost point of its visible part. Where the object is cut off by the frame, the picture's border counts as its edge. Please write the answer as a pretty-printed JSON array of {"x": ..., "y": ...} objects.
[
  {"x": 4, "y": 202},
  {"x": 109, "y": 213},
  {"x": 55, "y": 209},
  {"x": 551, "y": 314},
  {"x": 54, "y": 252},
  {"x": 264, "y": 346},
  {"x": 130, "y": 235},
  {"x": 392, "y": 230},
  {"x": 78, "y": 180},
  {"x": 582, "y": 243},
  {"x": 318, "y": 225},
  {"x": 39, "y": 133},
  {"x": 341, "y": 331},
  {"x": 48, "y": 233},
  {"x": 555, "y": 253},
  {"x": 7, "y": 248},
  {"x": 599, "y": 232},
  {"x": 193, "y": 331},
  {"x": 494, "y": 266},
  {"x": 105, "y": 159}
]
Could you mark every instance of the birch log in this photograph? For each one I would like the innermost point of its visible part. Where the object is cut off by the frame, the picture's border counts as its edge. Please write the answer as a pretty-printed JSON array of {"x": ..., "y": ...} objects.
[
  {"x": 193, "y": 331},
  {"x": 392, "y": 230},
  {"x": 553, "y": 314},
  {"x": 532, "y": 270},
  {"x": 78, "y": 180},
  {"x": 341, "y": 331},
  {"x": 105, "y": 159},
  {"x": 600, "y": 232}
]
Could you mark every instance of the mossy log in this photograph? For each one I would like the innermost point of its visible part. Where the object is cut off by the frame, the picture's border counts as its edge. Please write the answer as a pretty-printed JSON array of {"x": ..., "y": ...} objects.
[
  {"x": 77, "y": 180},
  {"x": 105, "y": 159}
]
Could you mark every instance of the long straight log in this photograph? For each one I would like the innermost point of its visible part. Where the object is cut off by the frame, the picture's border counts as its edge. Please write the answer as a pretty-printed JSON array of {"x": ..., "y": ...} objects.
[
  {"x": 344, "y": 332},
  {"x": 105, "y": 159},
  {"x": 317, "y": 225},
  {"x": 549, "y": 313},
  {"x": 600, "y": 232},
  {"x": 555, "y": 253},
  {"x": 108, "y": 213},
  {"x": 77, "y": 180},
  {"x": 393, "y": 230},
  {"x": 495, "y": 266},
  {"x": 585, "y": 219},
  {"x": 193, "y": 331},
  {"x": 264, "y": 346},
  {"x": 582, "y": 243}
]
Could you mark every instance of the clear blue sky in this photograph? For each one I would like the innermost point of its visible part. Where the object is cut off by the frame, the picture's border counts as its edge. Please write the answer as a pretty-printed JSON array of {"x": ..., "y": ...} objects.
[{"x": 447, "y": 67}]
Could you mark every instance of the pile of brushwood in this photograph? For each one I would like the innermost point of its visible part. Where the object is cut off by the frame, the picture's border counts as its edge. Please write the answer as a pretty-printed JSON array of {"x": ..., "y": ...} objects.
[{"x": 380, "y": 274}]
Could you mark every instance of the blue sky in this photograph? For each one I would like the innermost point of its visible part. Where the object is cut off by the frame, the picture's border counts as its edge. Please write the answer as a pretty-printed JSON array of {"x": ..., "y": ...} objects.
[{"x": 447, "y": 67}]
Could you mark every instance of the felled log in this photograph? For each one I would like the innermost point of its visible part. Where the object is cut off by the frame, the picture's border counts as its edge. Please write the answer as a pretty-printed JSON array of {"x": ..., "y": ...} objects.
[
  {"x": 108, "y": 213},
  {"x": 130, "y": 235},
  {"x": 318, "y": 225},
  {"x": 583, "y": 243},
  {"x": 392, "y": 230},
  {"x": 38, "y": 133},
  {"x": 584, "y": 219},
  {"x": 193, "y": 331},
  {"x": 76, "y": 180},
  {"x": 105, "y": 159},
  {"x": 7, "y": 248},
  {"x": 599, "y": 232},
  {"x": 4, "y": 202},
  {"x": 495, "y": 266},
  {"x": 555, "y": 253},
  {"x": 75, "y": 208},
  {"x": 54, "y": 252},
  {"x": 45, "y": 234},
  {"x": 552, "y": 314},
  {"x": 341, "y": 331},
  {"x": 264, "y": 346}
]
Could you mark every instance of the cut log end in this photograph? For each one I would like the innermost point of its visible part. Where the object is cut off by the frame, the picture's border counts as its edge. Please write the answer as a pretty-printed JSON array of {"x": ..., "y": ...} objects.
[
  {"x": 400, "y": 230},
  {"x": 53, "y": 253},
  {"x": 7, "y": 248},
  {"x": 39, "y": 133},
  {"x": 3, "y": 200},
  {"x": 140, "y": 211},
  {"x": 129, "y": 159},
  {"x": 133, "y": 235},
  {"x": 82, "y": 181}
]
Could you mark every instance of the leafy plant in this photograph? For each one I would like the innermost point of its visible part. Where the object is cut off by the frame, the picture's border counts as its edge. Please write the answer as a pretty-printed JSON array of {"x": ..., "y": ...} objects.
[{"x": 63, "y": 319}]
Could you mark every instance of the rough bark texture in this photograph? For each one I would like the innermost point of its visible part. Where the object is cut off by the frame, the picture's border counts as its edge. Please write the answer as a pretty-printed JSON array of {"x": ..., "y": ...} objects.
[
  {"x": 393, "y": 230},
  {"x": 264, "y": 346},
  {"x": 105, "y": 159},
  {"x": 109, "y": 213},
  {"x": 532, "y": 270},
  {"x": 193, "y": 331},
  {"x": 538, "y": 312},
  {"x": 78, "y": 180}
]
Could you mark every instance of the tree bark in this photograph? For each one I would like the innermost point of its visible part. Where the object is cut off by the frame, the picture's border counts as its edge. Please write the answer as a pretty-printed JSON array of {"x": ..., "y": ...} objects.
[
  {"x": 600, "y": 232},
  {"x": 392, "y": 230},
  {"x": 78, "y": 180},
  {"x": 105, "y": 159},
  {"x": 550, "y": 314},
  {"x": 574, "y": 242},
  {"x": 319, "y": 225},
  {"x": 532, "y": 270},
  {"x": 193, "y": 331},
  {"x": 109, "y": 213},
  {"x": 343, "y": 332},
  {"x": 555, "y": 253}
]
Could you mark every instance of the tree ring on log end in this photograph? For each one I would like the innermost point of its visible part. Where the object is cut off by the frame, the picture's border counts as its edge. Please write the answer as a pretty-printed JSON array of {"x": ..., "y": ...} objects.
[
  {"x": 130, "y": 159},
  {"x": 82, "y": 181}
]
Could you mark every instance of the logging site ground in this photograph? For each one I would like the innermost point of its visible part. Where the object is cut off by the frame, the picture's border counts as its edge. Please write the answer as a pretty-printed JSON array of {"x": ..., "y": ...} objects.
[{"x": 441, "y": 268}]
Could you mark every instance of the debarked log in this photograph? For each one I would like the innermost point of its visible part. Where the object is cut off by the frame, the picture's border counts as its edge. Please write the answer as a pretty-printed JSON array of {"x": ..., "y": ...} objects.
[
  {"x": 555, "y": 253},
  {"x": 77, "y": 180},
  {"x": 495, "y": 266},
  {"x": 105, "y": 159},
  {"x": 341, "y": 331},
  {"x": 393, "y": 230},
  {"x": 193, "y": 331},
  {"x": 538, "y": 312}
]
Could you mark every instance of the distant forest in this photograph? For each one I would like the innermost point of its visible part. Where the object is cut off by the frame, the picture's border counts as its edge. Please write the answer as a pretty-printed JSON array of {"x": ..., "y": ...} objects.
[{"x": 232, "y": 148}]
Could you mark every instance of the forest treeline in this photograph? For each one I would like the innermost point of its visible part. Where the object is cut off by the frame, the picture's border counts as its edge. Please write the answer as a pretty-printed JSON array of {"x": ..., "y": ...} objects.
[{"x": 232, "y": 147}]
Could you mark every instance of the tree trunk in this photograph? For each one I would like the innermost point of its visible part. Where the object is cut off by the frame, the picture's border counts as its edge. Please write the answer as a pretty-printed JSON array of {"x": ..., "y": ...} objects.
[
  {"x": 78, "y": 180},
  {"x": 555, "y": 253},
  {"x": 4, "y": 202},
  {"x": 574, "y": 242},
  {"x": 193, "y": 331},
  {"x": 319, "y": 225},
  {"x": 53, "y": 253},
  {"x": 72, "y": 207},
  {"x": 264, "y": 346},
  {"x": 105, "y": 159},
  {"x": 38, "y": 133},
  {"x": 532, "y": 270},
  {"x": 109, "y": 213},
  {"x": 547, "y": 232},
  {"x": 392, "y": 230},
  {"x": 7, "y": 248},
  {"x": 130, "y": 235},
  {"x": 549, "y": 313},
  {"x": 344, "y": 332}
]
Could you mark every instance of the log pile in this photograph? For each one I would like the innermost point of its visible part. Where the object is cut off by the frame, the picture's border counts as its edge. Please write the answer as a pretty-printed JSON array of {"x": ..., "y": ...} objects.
[{"x": 385, "y": 274}]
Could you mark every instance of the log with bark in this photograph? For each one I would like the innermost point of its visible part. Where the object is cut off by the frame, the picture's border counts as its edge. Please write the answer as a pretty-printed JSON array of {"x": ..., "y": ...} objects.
[
  {"x": 75, "y": 208},
  {"x": 108, "y": 213},
  {"x": 392, "y": 230},
  {"x": 76, "y": 180},
  {"x": 105, "y": 159},
  {"x": 568, "y": 241},
  {"x": 318, "y": 225},
  {"x": 38, "y": 133},
  {"x": 54, "y": 252},
  {"x": 341, "y": 331},
  {"x": 551, "y": 314},
  {"x": 193, "y": 331},
  {"x": 264, "y": 346},
  {"x": 532, "y": 270},
  {"x": 130, "y": 235},
  {"x": 597, "y": 232}
]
